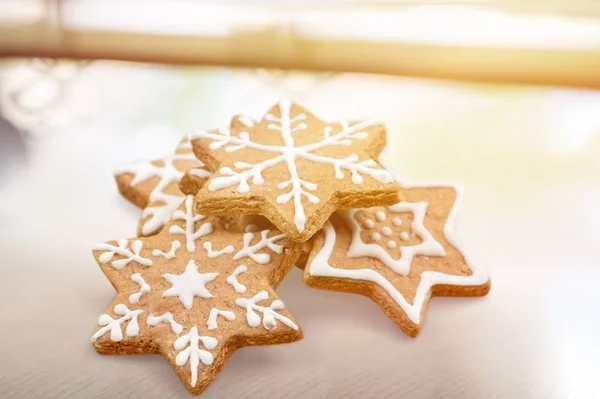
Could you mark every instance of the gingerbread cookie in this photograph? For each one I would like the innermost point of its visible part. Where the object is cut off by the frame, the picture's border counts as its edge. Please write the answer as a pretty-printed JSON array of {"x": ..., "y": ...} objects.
[
  {"x": 195, "y": 293},
  {"x": 399, "y": 256},
  {"x": 154, "y": 185},
  {"x": 293, "y": 168},
  {"x": 190, "y": 184},
  {"x": 192, "y": 181}
]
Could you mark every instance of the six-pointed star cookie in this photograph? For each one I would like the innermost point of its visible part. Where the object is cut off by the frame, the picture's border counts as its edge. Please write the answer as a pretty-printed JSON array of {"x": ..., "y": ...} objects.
[
  {"x": 400, "y": 256},
  {"x": 293, "y": 168},
  {"x": 195, "y": 293},
  {"x": 154, "y": 185}
]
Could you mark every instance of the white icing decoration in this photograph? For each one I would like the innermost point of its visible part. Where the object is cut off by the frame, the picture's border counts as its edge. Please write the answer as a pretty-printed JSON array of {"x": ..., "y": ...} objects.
[
  {"x": 380, "y": 215},
  {"x": 211, "y": 323},
  {"x": 189, "y": 284},
  {"x": 404, "y": 236},
  {"x": 397, "y": 221},
  {"x": 193, "y": 352},
  {"x": 391, "y": 244},
  {"x": 319, "y": 266},
  {"x": 369, "y": 223},
  {"x": 165, "y": 318},
  {"x": 376, "y": 236},
  {"x": 114, "y": 325},
  {"x": 246, "y": 120},
  {"x": 202, "y": 173},
  {"x": 232, "y": 279},
  {"x": 190, "y": 232},
  {"x": 144, "y": 288},
  {"x": 142, "y": 171},
  {"x": 250, "y": 251},
  {"x": 159, "y": 214},
  {"x": 386, "y": 231},
  {"x": 213, "y": 254},
  {"x": 428, "y": 246},
  {"x": 269, "y": 314},
  {"x": 121, "y": 249},
  {"x": 175, "y": 245},
  {"x": 286, "y": 125}
]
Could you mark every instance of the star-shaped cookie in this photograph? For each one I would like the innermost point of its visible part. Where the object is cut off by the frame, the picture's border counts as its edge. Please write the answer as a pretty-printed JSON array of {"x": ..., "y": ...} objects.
[
  {"x": 400, "y": 256},
  {"x": 293, "y": 168},
  {"x": 195, "y": 293},
  {"x": 154, "y": 185}
]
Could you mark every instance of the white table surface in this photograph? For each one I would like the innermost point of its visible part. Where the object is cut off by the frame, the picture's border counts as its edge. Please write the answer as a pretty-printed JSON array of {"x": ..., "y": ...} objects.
[{"x": 528, "y": 158}]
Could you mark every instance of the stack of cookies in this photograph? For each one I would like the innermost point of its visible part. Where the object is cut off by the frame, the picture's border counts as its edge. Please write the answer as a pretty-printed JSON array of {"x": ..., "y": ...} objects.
[{"x": 232, "y": 210}]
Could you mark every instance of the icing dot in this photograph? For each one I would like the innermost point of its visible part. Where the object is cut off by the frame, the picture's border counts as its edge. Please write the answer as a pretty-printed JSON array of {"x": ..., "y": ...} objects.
[
  {"x": 387, "y": 231},
  {"x": 376, "y": 236},
  {"x": 404, "y": 235},
  {"x": 397, "y": 221},
  {"x": 369, "y": 223},
  {"x": 391, "y": 244},
  {"x": 380, "y": 215}
]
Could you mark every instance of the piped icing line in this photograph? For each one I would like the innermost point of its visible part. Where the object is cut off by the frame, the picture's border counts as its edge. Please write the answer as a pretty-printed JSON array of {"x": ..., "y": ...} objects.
[
  {"x": 246, "y": 120},
  {"x": 299, "y": 188},
  {"x": 233, "y": 281},
  {"x": 144, "y": 288},
  {"x": 175, "y": 245},
  {"x": 451, "y": 221},
  {"x": 114, "y": 325},
  {"x": 159, "y": 214},
  {"x": 165, "y": 204},
  {"x": 193, "y": 353},
  {"x": 132, "y": 255},
  {"x": 211, "y": 322},
  {"x": 428, "y": 246},
  {"x": 190, "y": 231},
  {"x": 198, "y": 172},
  {"x": 320, "y": 264},
  {"x": 269, "y": 314},
  {"x": 250, "y": 251},
  {"x": 214, "y": 254},
  {"x": 165, "y": 318}
]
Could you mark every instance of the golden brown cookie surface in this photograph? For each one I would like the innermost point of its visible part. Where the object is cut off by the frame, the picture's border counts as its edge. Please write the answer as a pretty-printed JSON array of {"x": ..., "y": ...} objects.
[
  {"x": 195, "y": 293},
  {"x": 293, "y": 168},
  {"x": 400, "y": 256},
  {"x": 154, "y": 185}
]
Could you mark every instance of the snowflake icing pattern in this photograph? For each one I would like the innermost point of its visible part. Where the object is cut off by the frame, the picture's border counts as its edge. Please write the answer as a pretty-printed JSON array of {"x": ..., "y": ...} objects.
[
  {"x": 185, "y": 299},
  {"x": 161, "y": 205},
  {"x": 297, "y": 188}
]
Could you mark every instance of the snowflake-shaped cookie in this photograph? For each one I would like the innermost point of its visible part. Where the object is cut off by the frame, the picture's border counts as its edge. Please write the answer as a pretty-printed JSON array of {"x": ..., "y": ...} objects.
[
  {"x": 154, "y": 185},
  {"x": 294, "y": 169},
  {"x": 195, "y": 292},
  {"x": 400, "y": 256}
]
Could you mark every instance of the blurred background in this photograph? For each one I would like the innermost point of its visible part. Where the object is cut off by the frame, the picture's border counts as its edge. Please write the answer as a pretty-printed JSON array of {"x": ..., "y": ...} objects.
[{"x": 502, "y": 96}]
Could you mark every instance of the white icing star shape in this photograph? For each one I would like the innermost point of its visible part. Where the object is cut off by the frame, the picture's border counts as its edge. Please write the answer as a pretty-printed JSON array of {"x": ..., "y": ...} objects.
[
  {"x": 189, "y": 284},
  {"x": 402, "y": 277},
  {"x": 428, "y": 245}
]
